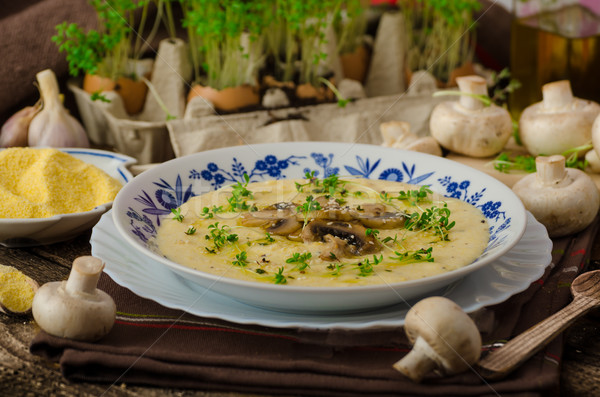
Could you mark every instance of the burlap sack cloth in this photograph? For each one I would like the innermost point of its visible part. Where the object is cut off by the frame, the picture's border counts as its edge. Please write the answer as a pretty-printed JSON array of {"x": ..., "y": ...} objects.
[{"x": 153, "y": 345}]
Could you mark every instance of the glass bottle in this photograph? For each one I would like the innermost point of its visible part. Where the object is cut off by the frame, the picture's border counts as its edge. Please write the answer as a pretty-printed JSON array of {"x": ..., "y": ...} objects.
[{"x": 554, "y": 40}]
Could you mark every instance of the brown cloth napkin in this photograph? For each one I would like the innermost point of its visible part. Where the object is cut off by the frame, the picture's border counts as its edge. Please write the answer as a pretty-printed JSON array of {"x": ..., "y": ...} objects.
[{"x": 156, "y": 346}]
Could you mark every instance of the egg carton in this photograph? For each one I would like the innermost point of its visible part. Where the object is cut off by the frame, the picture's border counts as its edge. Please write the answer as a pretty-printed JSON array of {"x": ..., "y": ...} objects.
[{"x": 143, "y": 136}]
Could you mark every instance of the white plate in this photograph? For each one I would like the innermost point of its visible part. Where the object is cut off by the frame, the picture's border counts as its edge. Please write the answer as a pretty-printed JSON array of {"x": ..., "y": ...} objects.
[
  {"x": 38, "y": 231},
  {"x": 506, "y": 276},
  {"x": 139, "y": 207}
]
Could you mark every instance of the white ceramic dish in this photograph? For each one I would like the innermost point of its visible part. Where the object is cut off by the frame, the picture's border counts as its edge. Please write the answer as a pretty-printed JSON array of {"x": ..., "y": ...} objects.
[
  {"x": 39, "y": 231},
  {"x": 139, "y": 206},
  {"x": 492, "y": 284}
]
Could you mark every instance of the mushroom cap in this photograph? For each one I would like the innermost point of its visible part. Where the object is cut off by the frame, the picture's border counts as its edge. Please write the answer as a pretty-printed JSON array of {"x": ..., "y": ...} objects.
[
  {"x": 550, "y": 130},
  {"x": 61, "y": 314},
  {"x": 447, "y": 329},
  {"x": 596, "y": 135},
  {"x": 565, "y": 207},
  {"x": 476, "y": 133}
]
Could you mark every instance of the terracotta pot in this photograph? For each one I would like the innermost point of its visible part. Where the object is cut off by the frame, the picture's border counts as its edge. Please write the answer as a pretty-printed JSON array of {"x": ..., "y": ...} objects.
[
  {"x": 228, "y": 99},
  {"x": 133, "y": 92},
  {"x": 356, "y": 64}
]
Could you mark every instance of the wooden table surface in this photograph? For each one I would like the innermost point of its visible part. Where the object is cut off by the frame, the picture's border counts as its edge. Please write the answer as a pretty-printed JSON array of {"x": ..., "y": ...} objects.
[{"x": 23, "y": 374}]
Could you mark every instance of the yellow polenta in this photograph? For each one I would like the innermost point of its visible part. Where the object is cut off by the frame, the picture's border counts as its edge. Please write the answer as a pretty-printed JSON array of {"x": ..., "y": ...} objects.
[
  {"x": 16, "y": 293},
  {"x": 40, "y": 183},
  {"x": 361, "y": 232}
]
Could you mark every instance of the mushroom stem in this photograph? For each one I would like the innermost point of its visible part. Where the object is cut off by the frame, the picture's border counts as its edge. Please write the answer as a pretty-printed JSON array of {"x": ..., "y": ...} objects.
[
  {"x": 550, "y": 170},
  {"x": 475, "y": 85},
  {"x": 557, "y": 94},
  {"x": 84, "y": 275},
  {"x": 417, "y": 363}
]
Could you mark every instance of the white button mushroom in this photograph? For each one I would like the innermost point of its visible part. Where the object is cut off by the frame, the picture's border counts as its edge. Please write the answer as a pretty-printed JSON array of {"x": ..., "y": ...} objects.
[
  {"x": 444, "y": 337},
  {"x": 559, "y": 122},
  {"x": 397, "y": 134},
  {"x": 565, "y": 200},
  {"x": 468, "y": 126},
  {"x": 593, "y": 156},
  {"x": 75, "y": 308}
]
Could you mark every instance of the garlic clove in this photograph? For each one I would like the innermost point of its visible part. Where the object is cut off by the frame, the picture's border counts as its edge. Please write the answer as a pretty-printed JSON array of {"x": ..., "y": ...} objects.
[
  {"x": 14, "y": 130},
  {"x": 53, "y": 126}
]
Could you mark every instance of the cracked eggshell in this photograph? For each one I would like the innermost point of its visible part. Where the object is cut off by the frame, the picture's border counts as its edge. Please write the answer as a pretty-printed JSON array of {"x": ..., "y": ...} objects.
[{"x": 467, "y": 126}]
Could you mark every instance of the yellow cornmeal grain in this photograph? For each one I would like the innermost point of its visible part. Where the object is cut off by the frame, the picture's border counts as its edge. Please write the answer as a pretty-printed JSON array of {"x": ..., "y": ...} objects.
[
  {"x": 40, "y": 183},
  {"x": 16, "y": 294}
]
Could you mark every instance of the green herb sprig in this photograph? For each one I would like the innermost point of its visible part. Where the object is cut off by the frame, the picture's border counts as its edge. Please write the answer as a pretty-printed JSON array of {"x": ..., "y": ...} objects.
[
  {"x": 241, "y": 259},
  {"x": 301, "y": 260},
  {"x": 280, "y": 278},
  {"x": 413, "y": 197},
  {"x": 220, "y": 236},
  {"x": 506, "y": 163},
  {"x": 209, "y": 213},
  {"x": 307, "y": 207},
  {"x": 268, "y": 239},
  {"x": 330, "y": 186},
  {"x": 177, "y": 215},
  {"x": 433, "y": 218},
  {"x": 365, "y": 267},
  {"x": 191, "y": 230},
  {"x": 336, "y": 268},
  {"x": 421, "y": 255},
  {"x": 239, "y": 194}
]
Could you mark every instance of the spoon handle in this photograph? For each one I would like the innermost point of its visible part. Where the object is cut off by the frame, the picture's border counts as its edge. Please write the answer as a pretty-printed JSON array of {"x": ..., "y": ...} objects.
[{"x": 501, "y": 362}]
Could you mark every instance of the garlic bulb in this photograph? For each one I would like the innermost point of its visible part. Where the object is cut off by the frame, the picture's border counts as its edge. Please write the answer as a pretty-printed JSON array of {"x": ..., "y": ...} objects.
[
  {"x": 14, "y": 130},
  {"x": 53, "y": 126}
]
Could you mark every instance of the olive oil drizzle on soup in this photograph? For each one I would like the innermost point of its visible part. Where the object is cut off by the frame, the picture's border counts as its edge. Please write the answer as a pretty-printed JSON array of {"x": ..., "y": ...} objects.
[{"x": 324, "y": 232}]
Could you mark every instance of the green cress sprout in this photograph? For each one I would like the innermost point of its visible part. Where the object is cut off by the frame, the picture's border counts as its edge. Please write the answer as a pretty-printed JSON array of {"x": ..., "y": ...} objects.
[
  {"x": 421, "y": 255},
  {"x": 209, "y": 213},
  {"x": 412, "y": 196},
  {"x": 336, "y": 268},
  {"x": 280, "y": 277},
  {"x": 506, "y": 163},
  {"x": 241, "y": 259},
  {"x": 300, "y": 259},
  {"x": 220, "y": 236},
  {"x": 239, "y": 193},
  {"x": 434, "y": 218},
  {"x": 266, "y": 240},
  {"x": 190, "y": 231},
  {"x": 330, "y": 186},
  {"x": 365, "y": 267},
  {"x": 119, "y": 38},
  {"x": 177, "y": 214},
  {"x": 309, "y": 206},
  {"x": 225, "y": 39}
]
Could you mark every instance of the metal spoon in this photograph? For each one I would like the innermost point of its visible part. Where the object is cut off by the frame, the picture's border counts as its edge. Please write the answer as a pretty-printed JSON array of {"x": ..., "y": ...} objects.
[{"x": 586, "y": 296}]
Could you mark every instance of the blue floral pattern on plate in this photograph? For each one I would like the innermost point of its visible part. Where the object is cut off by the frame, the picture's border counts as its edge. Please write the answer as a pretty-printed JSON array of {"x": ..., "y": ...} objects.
[{"x": 169, "y": 195}]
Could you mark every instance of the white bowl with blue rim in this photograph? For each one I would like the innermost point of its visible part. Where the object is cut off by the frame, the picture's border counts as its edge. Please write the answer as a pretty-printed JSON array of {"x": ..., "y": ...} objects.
[
  {"x": 141, "y": 205},
  {"x": 27, "y": 232}
]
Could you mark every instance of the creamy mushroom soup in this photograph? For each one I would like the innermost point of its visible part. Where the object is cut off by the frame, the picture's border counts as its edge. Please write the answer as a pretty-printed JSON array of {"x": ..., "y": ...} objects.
[{"x": 323, "y": 232}]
